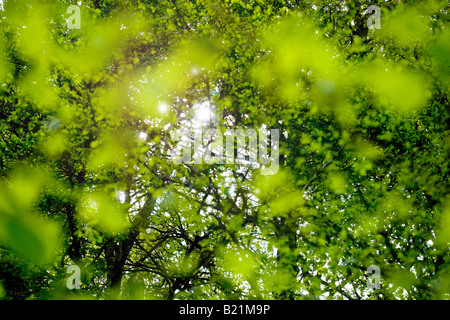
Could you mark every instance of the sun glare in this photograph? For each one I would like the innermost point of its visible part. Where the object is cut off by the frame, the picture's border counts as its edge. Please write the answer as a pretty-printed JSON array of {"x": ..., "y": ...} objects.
[{"x": 203, "y": 112}]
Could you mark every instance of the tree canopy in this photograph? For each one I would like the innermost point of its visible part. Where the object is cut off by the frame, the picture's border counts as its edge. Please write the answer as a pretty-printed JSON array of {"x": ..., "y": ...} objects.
[{"x": 87, "y": 174}]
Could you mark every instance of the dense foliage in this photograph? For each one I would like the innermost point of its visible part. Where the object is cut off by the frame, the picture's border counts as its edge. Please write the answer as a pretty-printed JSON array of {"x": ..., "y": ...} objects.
[{"x": 87, "y": 176}]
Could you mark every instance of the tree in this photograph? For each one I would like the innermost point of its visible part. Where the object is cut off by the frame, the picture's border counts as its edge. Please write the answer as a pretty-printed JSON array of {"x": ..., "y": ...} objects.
[{"x": 88, "y": 118}]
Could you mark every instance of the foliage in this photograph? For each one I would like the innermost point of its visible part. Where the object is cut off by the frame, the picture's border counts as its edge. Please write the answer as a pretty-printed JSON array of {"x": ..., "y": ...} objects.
[{"x": 87, "y": 122}]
